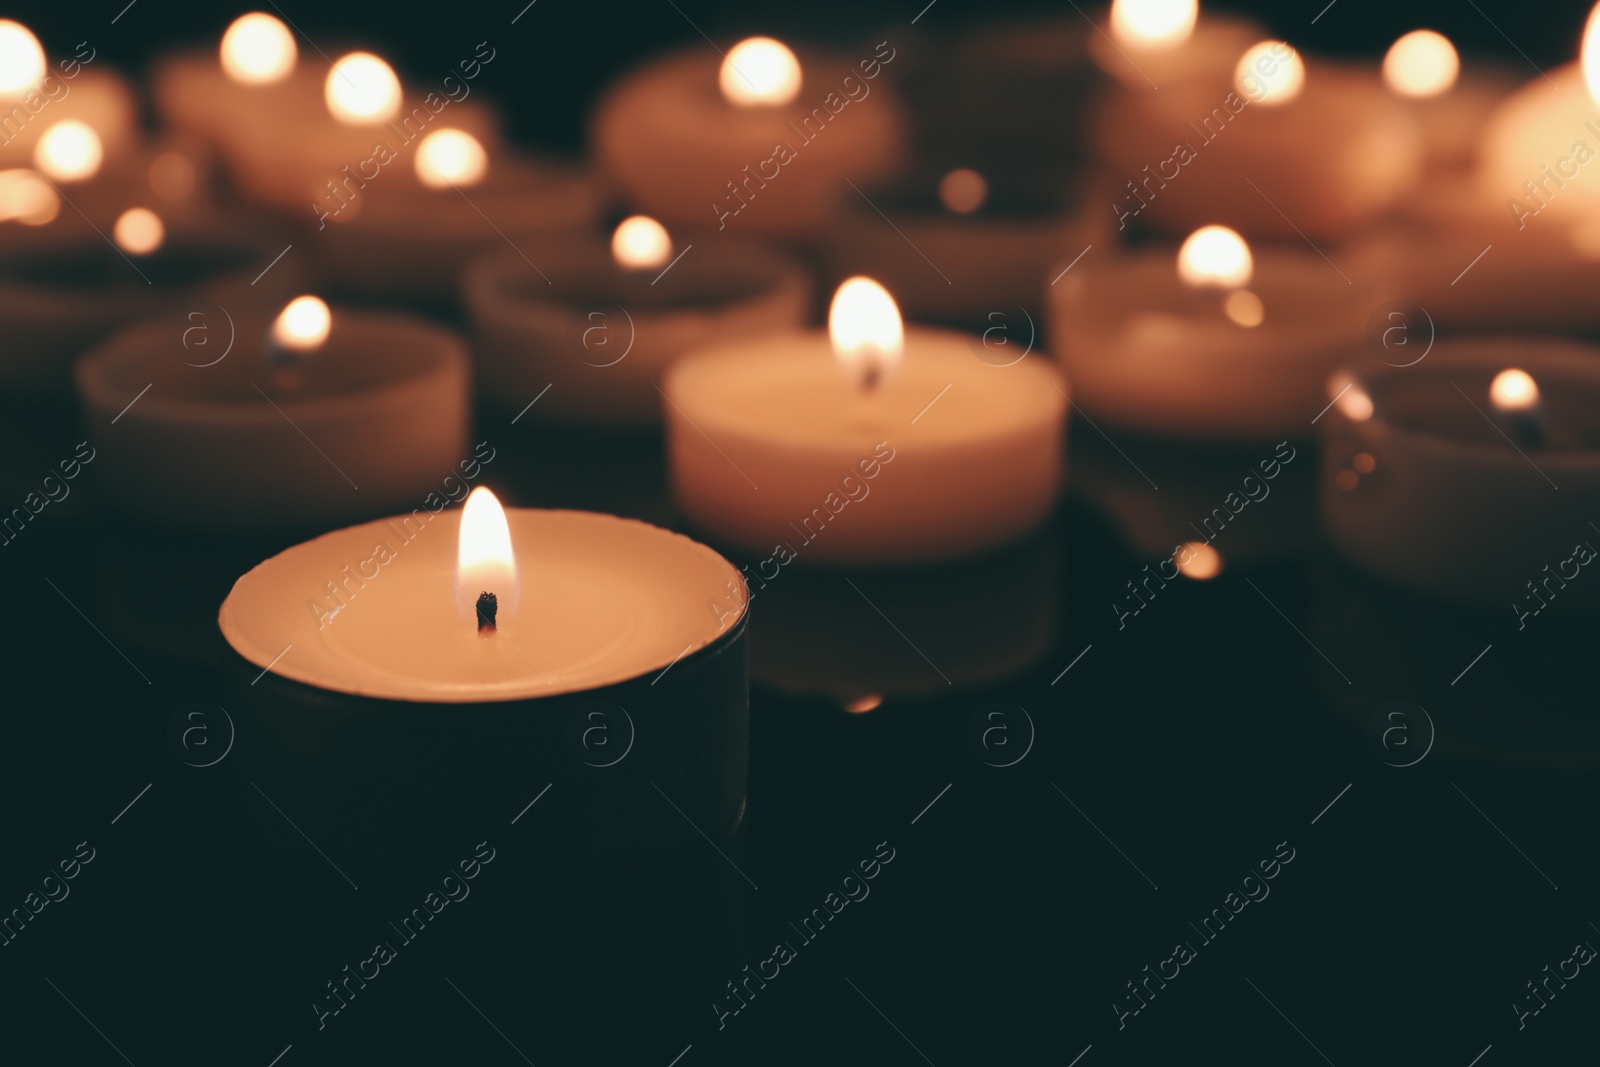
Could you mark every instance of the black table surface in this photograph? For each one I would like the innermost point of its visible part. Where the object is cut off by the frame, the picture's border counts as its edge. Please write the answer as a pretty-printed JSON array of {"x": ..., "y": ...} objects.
[{"x": 1059, "y": 825}]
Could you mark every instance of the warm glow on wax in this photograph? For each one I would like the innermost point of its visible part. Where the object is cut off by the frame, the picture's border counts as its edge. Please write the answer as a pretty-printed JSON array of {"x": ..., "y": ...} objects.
[
  {"x": 139, "y": 231},
  {"x": 27, "y": 197}
]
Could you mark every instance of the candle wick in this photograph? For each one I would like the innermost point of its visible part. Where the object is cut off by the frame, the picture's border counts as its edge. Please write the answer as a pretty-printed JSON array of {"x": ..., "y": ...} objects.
[
  {"x": 870, "y": 376},
  {"x": 488, "y": 607}
]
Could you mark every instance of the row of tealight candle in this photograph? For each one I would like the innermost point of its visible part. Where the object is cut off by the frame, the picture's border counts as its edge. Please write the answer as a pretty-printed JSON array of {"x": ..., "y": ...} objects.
[{"x": 1205, "y": 130}]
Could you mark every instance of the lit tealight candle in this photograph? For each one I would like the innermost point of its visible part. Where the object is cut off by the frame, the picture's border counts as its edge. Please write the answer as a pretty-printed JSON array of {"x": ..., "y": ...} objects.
[
  {"x": 1186, "y": 351},
  {"x": 592, "y": 328},
  {"x": 218, "y": 431},
  {"x": 362, "y": 90},
  {"x": 258, "y": 49},
  {"x": 1466, "y": 479},
  {"x": 69, "y": 151},
  {"x": 605, "y": 601},
  {"x": 139, "y": 231},
  {"x": 22, "y": 62},
  {"x": 448, "y": 158},
  {"x": 760, "y": 72},
  {"x": 771, "y": 445},
  {"x": 1274, "y": 148},
  {"x": 698, "y": 145}
]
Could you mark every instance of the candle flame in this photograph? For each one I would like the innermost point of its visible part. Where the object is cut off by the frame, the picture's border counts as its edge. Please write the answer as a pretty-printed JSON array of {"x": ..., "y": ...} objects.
[
  {"x": 451, "y": 157},
  {"x": 303, "y": 325},
  {"x": 1198, "y": 560},
  {"x": 258, "y": 49},
  {"x": 760, "y": 71},
  {"x": 1514, "y": 390},
  {"x": 963, "y": 191},
  {"x": 1270, "y": 73},
  {"x": 362, "y": 90},
  {"x": 485, "y": 562},
  {"x": 1153, "y": 23},
  {"x": 22, "y": 64},
  {"x": 865, "y": 328},
  {"x": 27, "y": 197},
  {"x": 69, "y": 151},
  {"x": 640, "y": 243},
  {"x": 1215, "y": 256},
  {"x": 1421, "y": 64},
  {"x": 1591, "y": 54},
  {"x": 139, "y": 231}
]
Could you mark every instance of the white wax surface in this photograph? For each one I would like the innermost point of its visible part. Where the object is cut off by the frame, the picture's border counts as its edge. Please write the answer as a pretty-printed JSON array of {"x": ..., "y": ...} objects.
[
  {"x": 1146, "y": 351},
  {"x": 602, "y": 600},
  {"x": 764, "y": 432}
]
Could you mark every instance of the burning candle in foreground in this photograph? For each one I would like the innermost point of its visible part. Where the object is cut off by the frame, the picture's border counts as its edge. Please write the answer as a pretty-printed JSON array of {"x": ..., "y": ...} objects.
[{"x": 868, "y": 444}]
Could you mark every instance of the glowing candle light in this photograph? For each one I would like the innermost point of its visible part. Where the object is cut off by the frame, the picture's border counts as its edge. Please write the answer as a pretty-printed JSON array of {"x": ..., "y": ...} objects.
[
  {"x": 1215, "y": 256},
  {"x": 1350, "y": 398},
  {"x": 139, "y": 231},
  {"x": 1590, "y": 57},
  {"x": 69, "y": 151},
  {"x": 258, "y": 49},
  {"x": 362, "y": 90},
  {"x": 866, "y": 332},
  {"x": 1267, "y": 77},
  {"x": 1421, "y": 64},
  {"x": 27, "y": 198},
  {"x": 1153, "y": 23},
  {"x": 760, "y": 72},
  {"x": 963, "y": 191},
  {"x": 450, "y": 157},
  {"x": 1244, "y": 308},
  {"x": 485, "y": 563},
  {"x": 303, "y": 326},
  {"x": 22, "y": 64},
  {"x": 641, "y": 243},
  {"x": 1198, "y": 560},
  {"x": 1514, "y": 390}
]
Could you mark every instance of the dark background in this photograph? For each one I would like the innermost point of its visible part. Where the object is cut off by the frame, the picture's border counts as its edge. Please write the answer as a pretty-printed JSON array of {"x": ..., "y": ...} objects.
[
  {"x": 562, "y": 52},
  {"x": 1191, "y": 744}
]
